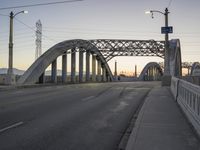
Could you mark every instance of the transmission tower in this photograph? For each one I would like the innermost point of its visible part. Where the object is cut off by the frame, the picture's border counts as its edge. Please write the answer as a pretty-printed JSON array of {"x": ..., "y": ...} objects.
[{"x": 38, "y": 41}]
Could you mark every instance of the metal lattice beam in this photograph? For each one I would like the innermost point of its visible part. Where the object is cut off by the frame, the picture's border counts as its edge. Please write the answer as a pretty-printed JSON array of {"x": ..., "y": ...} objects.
[
  {"x": 187, "y": 65},
  {"x": 113, "y": 48}
]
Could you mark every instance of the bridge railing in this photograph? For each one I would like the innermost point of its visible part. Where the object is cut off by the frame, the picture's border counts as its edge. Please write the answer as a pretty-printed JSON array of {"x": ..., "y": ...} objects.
[
  {"x": 192, "y": 79},
  {"x": 187, "y": 96}
]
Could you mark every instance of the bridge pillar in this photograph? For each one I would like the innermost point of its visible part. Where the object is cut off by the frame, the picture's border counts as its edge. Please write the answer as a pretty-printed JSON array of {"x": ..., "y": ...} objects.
[
  {"x": 80, "y": 65},
  {"x": 148, "y": 74},
  {"x": 42, "y": 78},
  {"x": 154, "y": 73},
  {"x": 64, "y": 67},
  {"x": 104, "y": 74},
  {"x": 115, "y": 73},
  {"x": 151, "y": 73},
  {"x": 93, "y": 68},
  {"x": 87, "y": 66},
  {"x": 54, "y": 71},
  {"x": 73, "y": 65},
  {"x": 99, "y": 71}
]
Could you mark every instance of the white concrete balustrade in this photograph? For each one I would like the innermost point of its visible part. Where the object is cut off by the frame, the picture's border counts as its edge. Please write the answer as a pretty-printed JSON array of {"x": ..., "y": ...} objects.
[{"x": 187, "y": 96}]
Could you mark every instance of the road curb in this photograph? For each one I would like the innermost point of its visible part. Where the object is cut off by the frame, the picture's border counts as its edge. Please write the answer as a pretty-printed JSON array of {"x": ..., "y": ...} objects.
[{"x": 133, "y": 137}]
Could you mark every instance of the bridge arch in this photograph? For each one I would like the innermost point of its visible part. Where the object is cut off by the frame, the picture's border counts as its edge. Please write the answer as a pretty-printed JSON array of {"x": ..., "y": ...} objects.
[
  {"x": 152, "y": 71},
  {"x": 195, "y": 67},
  {"x": 175, "y": 63},
  {"x": 34, "y": 72}
]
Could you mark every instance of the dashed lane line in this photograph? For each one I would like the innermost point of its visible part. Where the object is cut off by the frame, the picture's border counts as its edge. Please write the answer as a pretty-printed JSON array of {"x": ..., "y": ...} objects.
[{"x": 11, "y": 126}]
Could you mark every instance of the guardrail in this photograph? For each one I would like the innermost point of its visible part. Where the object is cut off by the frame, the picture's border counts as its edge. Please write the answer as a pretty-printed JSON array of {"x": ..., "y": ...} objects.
[
  {"x": 192, "y": 79},
  {"x": 187, "y": 96}
]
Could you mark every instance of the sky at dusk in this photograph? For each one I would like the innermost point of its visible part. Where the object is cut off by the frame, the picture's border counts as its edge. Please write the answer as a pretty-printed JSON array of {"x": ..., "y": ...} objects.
[{"x": 100, "y": 19}]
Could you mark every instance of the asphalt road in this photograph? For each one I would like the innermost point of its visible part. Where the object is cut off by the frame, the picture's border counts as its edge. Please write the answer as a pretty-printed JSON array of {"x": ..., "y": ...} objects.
[{"x": 71, "y": 117}]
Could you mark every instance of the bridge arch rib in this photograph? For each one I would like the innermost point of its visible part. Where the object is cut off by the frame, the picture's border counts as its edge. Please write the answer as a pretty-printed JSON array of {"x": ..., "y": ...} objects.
[
  {"x": 175, "y": 62},
  {"x": 152, "y": 71},
  {"x": 195, "y": 68},
  {"x": 38, "y": 67}
]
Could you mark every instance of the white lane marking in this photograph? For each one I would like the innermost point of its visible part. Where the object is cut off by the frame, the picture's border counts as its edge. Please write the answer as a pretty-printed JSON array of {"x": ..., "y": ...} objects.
[
  {"x": 88, "y": 98},
  {"x": 12, "y": 126}
]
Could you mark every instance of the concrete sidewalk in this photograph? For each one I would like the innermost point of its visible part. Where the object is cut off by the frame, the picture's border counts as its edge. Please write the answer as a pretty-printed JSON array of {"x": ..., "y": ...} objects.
[{"x": 161, "y": 125}]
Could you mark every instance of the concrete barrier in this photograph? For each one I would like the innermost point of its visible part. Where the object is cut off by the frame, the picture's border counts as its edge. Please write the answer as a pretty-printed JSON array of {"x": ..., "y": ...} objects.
[{"x": 188, "y": 97}]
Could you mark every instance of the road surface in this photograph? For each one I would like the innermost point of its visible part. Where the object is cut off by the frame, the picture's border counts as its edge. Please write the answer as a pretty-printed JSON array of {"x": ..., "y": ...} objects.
[{"x": 69, "y": 117}]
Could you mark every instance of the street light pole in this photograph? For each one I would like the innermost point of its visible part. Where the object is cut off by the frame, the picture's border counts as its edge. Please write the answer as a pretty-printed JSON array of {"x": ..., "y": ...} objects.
[
  {"x": 167, "y": 77},
  {"x": 10, "y": 59},
  {"x": 10, "y": 75},
  {"x": 166, "y": 61}
]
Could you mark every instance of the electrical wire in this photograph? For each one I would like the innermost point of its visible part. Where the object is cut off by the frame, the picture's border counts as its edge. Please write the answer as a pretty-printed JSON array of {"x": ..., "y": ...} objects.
[
  {"x": 170, "y": 2},
  {"x": 4, "y": 15},
  {"x": 40, "y": 4},
  {"x": 33, "y": 29}
]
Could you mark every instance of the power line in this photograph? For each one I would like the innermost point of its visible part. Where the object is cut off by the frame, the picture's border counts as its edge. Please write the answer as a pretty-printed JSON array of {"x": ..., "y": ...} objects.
[
  {"x": 34, "y": 29},
  {"x": 169, "y": 4},
  {"x": 4, "y": 15},
  {"x": 40, "y": 4}
]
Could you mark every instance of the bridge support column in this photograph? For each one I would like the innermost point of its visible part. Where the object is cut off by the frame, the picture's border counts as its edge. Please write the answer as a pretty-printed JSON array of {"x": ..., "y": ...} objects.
[
  {"x": 42, "y": 78},
  {"x": 64, "y": 67},
  {"x": 80, "y": 65},
  {"x": 104, "y": 74},
  {"x": 151, "y": 72},
  {"x": 99, "y": 71},
  {"x": 148, "y": 75},
  {"x": 115, "y": 71},
  {"x": 154, "y": 73},
  {"x": 93, "y": 68},
  {"x": 73, "y": 65},
  {"x": 54, "y": 71},
  {"x": 87, "y": 66}
]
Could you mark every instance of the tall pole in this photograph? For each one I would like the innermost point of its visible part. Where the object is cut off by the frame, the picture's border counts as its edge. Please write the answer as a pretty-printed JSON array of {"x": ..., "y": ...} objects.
[
  {"x": 10, "y": 58},
  {"x": 115, "y": 70},
  {"x": 136, "y": 71},
  {"x": 10, "y": 79},
  {"x": 166, "y": 68}
]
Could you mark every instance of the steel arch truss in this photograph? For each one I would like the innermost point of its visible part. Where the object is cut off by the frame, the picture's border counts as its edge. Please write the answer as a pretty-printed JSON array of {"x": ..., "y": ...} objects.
[{"x": 113, "y": 48}]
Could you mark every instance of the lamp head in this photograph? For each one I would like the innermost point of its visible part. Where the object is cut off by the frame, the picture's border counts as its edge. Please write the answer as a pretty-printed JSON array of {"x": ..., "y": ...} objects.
[
  {"x": 147, "y": 12},
  {"x": 150, "y": 12},
  {"x": 25, "y": 11}
]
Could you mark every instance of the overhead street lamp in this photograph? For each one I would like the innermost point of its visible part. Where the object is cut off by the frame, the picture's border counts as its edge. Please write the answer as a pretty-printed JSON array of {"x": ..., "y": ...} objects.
[
  {"x": 166, "y": 30},
  {"x": 10, "y": 75}
]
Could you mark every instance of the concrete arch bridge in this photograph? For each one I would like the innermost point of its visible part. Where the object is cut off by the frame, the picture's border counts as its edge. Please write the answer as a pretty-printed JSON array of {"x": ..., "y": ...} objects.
[
  {"x": 101, "y": 52},
  {"x": 151, "y": 72}
]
